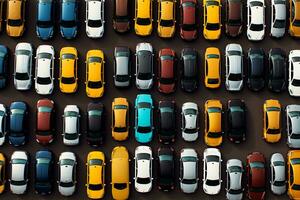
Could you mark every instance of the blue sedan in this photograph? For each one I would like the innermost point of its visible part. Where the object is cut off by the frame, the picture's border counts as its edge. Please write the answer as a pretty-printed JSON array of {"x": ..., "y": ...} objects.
[
  {"x": 68, "y": 18},
  {"x": 3, "y": 65},
  {"x": 45, "y": 19}
]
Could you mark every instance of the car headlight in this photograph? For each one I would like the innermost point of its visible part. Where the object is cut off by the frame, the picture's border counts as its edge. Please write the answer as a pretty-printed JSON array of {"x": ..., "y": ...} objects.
[{"x": 291, "y": 91}]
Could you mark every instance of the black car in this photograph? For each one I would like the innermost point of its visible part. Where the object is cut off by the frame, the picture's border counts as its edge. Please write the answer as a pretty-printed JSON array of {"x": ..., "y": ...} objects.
[
  {"x": 189, "y": 74},
  {"x": 3, "y": 65},
  {"x": 277, "y": 70},
  {"x": 95, "y": 124},
  {"x": 166, "y": 169},
  {"x": 167, "y": 121},
  {"x": 236, "y": 121},
  {"x": 256, "y": 69}
]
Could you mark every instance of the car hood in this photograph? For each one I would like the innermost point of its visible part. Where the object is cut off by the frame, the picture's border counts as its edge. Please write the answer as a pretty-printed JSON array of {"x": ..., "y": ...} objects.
[
  {"x": 44, "y": 89},
  {"x": 256, "y": 84},
  {"x": 255, "y": 35},
  {"x": 66, "y": 191},
  {"x": 277, "y": 32},
  {"x": 188, "y": 35},
  {"x": 234, "y": 196},
  {"x": 211, "y": 190},
  {"x": 18, "y": 189},
  {"x": 189, "y": 86},
  {"x": 68, "y": 33},
  {"x": 233, "y": 31},
  {"x": 234, "y": 85},
  {"x": 22, "y": 85},
  {"x": 294, "y": 91},
  {"x": 188, "y": 188},
  {"x": 276, "y": 85},
  {"x": 95, "y": 32},
  {"x": 144, "y": 84},
  {"x": 45, "y": 33},
  {"x": 143, "y": 188},
  {"x": 293, "y": 143}
]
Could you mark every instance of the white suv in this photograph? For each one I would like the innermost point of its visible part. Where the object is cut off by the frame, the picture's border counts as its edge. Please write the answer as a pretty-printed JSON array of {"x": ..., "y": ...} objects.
[
  {"x": 19, "y": 172},
  {"x": 95, "y": 18},
  {"x": 256, "y": 20}
]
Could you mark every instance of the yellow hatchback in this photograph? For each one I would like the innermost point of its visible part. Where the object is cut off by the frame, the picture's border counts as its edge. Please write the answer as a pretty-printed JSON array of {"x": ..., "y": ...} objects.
[
  {"x": 15, "y": 18},
  {"x": 2, "y": 173},
  {"x": 272, "y": 121},
  {"x": 166, "y": 18},
  {"x": 294, "y": 174},
  {"x": 143, "y": 17},
  {"x": 120, "y": 119},
  {"x": 294, "y": 28},
  {"x": 212, "y": 68},
  {"x": 212, "y": 19}
]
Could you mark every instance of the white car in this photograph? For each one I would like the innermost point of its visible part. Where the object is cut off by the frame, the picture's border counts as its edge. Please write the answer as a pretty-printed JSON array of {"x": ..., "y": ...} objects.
[
  {"x": 19, "y": 172},
  {"x": 234, "y": 184},
  {"x": 23, "y": 66},
  {"x": 278, "y": 176},
  {"x": 71, "y": 125},
  {"x": 44, "y": 70},
  {"x": 256, "y": 20},
  {"x": 67, "y": 173},
  {"x": 94, "y": 18},
  {"x": 3, "y": 117},
  {"x": 189, "y": 121},
  {"x": 212, "y": 171},
  {"x": 143, "y": 169},
  {"x": 278, "y": 18},
  {"x": 294, "y": 73}
]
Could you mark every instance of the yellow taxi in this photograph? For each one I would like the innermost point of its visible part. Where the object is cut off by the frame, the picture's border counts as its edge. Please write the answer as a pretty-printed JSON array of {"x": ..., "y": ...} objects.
[
  {"x": 68, "y": 70},
  {"x": 166, "y": 18},
  {"x": 15, "y": 18},
  {"x": 213, "y": 123},
  {"x": 2, "y": 173},
  {"x": 272, "y": 122},
  {"x": 143, "y": 17},
  {"x": 294, "y": 174},
  {"x": 212, "y": 68},
  {"x": 212, "y": 19},
  {"x": 120, "y": 173},
  {"x": 95, "y": 166},
  {"x": 294, "y": 28},
  {"x": 120, "y": 119},
  {"x": 94, "y": 73}
]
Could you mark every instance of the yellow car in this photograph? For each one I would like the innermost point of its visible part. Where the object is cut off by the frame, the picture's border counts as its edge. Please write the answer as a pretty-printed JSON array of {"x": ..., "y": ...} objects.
[
  {"x": 294, "y": 174},
  {"x": 294, "y": 28},
  {"x": 272, "y": 124},
  {"x": 15, "y": 18},
  {"x": 166, "y": 18},
  {"x": 120, "y": 173},
  {"x": 212, "y": 19},
  {"x": 68, "y": 70},
  {"x": 213, "y": 123},
  {"x": 94, "y": 73},
  {"x": 212, "y": 68},
  {"x": 143, "y": 17},
  {"x": 95, "y": 166},
  {"x": 120, "y": 119},
  {"x": 2, "y": 173}
]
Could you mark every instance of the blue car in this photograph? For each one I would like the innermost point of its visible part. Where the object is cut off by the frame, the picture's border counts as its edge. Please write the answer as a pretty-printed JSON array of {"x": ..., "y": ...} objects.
[
  {"x": 68, "y": 18},
  {"x": 45, "y": 19},
  {"x": 143, "y": 118},
  {"x": 18, "y": 123},
  {"x": 3, "y": 65}
]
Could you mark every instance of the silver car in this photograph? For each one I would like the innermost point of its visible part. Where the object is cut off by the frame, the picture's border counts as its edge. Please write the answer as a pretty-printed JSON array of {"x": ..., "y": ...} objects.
[
  {"x": 122, "y": 67},
  {"x": 3, "y": 123},
  {"x": 278, "y": 179},
  {"x": 234, "y": 175},
  {"x": 278, "y": 18},
  {"x": 293, "y": 125},
  {"x": 189, "y": 121}
]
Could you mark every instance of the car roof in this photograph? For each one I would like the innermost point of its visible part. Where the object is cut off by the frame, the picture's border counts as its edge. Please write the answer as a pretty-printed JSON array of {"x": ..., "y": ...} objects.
[
  {"x": 68, "y": 8},
  {"x": 94, "y": 70},
  {"x": 94, "y": 9},
  {"x": 213, "y": 13},
  {"x": 235, "y": 9},
  {"x": 144, "y": 8},
  {"x": 121, "y": 7},
  {"x": 119, "y": 159},
  {"x": 18, "y": 172},
  {"x": 14, "y": 9},
  {"x": 189, "y": 12},
  {"x": 256, "y": 14},
  {"x": 189, "y": 170},
  {"x": 280, "y": 10},
  {"x": 44, "y": 10},
  {"x": 212, "y": 170},
  {"x": 167, "y": 9}
]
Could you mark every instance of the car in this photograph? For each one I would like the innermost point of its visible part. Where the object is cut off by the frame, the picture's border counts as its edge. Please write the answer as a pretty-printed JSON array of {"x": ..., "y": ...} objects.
[
  {"x": 122, "y": 67},
  {"x": 189, "y": 70},
  {"x": 212, "y": 68},
  {"x": 188, "y": 20},
  {"x": 15, "y": 18},
  {"x": 256, "y": 173},
  {"x": 278, "y": 177},
  {"x": 213, "y": 111},
  {"x": 212, "y": 19},
  {"x": 95, "y": 124},
  {"x": 189, "y": 121},
  {"x": 67, "y": 173},
  {"x": 45, "y": 121},
  {"x": 68, "y": 19},
  {"x": 94, "y": 23},
  {"x": 143, "y": 129},
  {"x": 234, "y": 67},
  {"x": 256, "y": 69},
  {"x": 293, "y": 163},
  {"x": 166, "y": 18},
  {"x": 144, "y": 66},
  {"x": 166, "y": 71},
  {"x": 234, "y": 175},
  {"x": 120, "y": 119},
  {"x": 278, "y": 18},
  {"x": 234, "y": 17},
  {"x": 3, "y": 65},
  {"x": 143, "y": 17},
  {"x": 3, "y": 124},
  {"x": 292, "y": 125},
  {"x": 19, "y": 167},
  {"x": 188, "y": 174},
  {"x": 236, "y": 120},
  {"x": 294, "y": 20},
  {"x": 2, "y": 172},
  {"x": 23, "y": 66},
  {"x": 71, "y": 125},
  {"x": 95, "y": 167},
  {"x": 18, "y": 122},
  {"x": 256, "y": 20},
  {"x": 1, "y": 15},
  {"x": 167, "y": 121},
  {"x": 277, "y": 70},
  {"x": 272, "y": 121},
  {"x": 294, "y": 73},
  {"x": 120, "y": 178},
  {"x": 45, "y": 19},
  {"x": 44, "y": 169},
  {"x": 68, "y": 70},
  {"x": 95, "y": 73},
  {"x": 44, "y": 70},
  {"x": 121, "y": 16},
  {"x": 166, "y": 169}
]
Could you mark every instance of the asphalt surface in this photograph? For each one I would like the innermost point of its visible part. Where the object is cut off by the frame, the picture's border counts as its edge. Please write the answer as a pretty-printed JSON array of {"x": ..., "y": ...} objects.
[{"x": 254, "y": 102}]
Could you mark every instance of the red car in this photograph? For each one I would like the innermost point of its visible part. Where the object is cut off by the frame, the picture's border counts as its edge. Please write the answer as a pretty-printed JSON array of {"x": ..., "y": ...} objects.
[
  {"x": 256, "y": 172},
  {"x": 166, "y": 71},
  {"x": 234, "y": 17},
  {"x": 188, "y": 24},
  {"x": 44, "y": 122}
]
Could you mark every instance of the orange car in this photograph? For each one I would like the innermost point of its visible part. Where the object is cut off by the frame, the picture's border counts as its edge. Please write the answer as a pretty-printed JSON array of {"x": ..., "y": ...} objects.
[
  {"x": 212, "y": 68},
  {"x": 15, "y": 18}
]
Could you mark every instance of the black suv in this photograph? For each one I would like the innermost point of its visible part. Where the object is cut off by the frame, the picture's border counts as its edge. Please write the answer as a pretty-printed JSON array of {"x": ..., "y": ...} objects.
[
  {"x": 95, "y": 124},
  {"x": 167, "y": 121},
  {"x": 256, "y": 69},
  {"x": 189, "y": 72},
  {"x": 166, "y": 169}
]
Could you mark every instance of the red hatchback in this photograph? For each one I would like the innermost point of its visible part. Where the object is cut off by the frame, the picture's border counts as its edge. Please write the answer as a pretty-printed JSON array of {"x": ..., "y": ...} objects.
[
  {"x": 166, "y": 71},
  {"x": 44, "y": 122},
  {"x": 188, "y": 24},
  {"x": 256, "y": 172}
]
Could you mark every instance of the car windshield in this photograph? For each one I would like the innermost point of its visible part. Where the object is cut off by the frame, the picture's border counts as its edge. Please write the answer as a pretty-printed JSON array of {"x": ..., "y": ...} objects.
[
  {"x": 190, "y": 112},
  {"x": 233, "y": 191},
  {"x": 296, "y": 187},
  {"x": 213, "y": 26},
  {"x": 273, "y": 131},
  {"x": 143, "y": 21},
  {"x": 213, "y": 81},
  {"x": 256, "y": 27},
  {"x": 44, "y": 24},
  {"x": 166, "y": 80},
  {"x": 13, "y": 182},
  {"x": 67, "y": 80},
  {"x": 68, "y": 24},
  {"x": 14, "y": 22},
  {"x": 189, "y": 181},
  {"x": 279, "y": 183},
  {"x": 43, "y": 80},
  {"x": 279, "y": 23},
  {"x": 296, "y": 82},
  {"x": 212, "y": 182},
  {"x": 214, "y": 134},
  {"x": 234, "y": 22},
  {"x": 71, "y": 136},
  {"x": 235, "y": 77},
  {"x": 120, "y": 129},
  {"x": 22, "y": 76},
  {"x": 143, "y": 180},
  {"x": 95, "y": 186},
  {"x": 67, "y": 162},
  {"x": 190, "y": 130},
  {"x": 142, "y": 129},
  {"x": 166, "y": 23},
  {"x": 258, "y": 165},
  {"x": 144, "y": 76},
  {"x": 120, "y": 186},
  {"x": 296, "y": 23},
  {"x": 122, "y": 78},
  {"x": 94, "y": 84},
  {"x": 66, "y": 184},
  {"x": 94, "y": 23},
  {"x": 295, "y": 136}
]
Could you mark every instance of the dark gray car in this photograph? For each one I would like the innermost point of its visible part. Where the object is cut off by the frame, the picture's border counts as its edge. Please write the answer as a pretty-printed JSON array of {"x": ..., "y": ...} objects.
[{"x": 189, "y": 74}]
